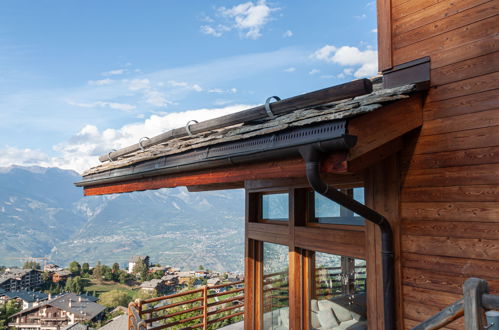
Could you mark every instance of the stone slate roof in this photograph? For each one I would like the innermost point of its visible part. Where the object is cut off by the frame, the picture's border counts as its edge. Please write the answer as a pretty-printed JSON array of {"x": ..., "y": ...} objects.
[
  {"x": 70, "y": 302},
  {"x": 152, "y": 284},
  {"x": 138, "y": 258},
  {"x": 118, "y": 323},
  {"x": 28, "y": 296},
  {"x": 326, "y": 112}
]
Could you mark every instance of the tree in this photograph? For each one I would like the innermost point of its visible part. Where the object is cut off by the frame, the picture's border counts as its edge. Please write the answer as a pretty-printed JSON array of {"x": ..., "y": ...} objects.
[
  {"x": 75, "y": 268},
  {"x": 74, "y": 284},
  {"x": 46, "y": 277},
  {"x": 97, "y": 273},
  {"x": 107, "y": 273},
  {"x": 124, "y": 277},
  {"x": 31, "y": 265},
  {"x": 140, "y": 269},
  {"x": 201, "y": 267},
  {"x": 143, "y": 294},
  {"x": 116, "y": 271},
  {"x": 116, "y": 267},
  {"x": 7, "y": 310},
  {"x": 158, "y": 274},
  {"x": 85, "y": 268},
  {"x": 115, "y": 298}
]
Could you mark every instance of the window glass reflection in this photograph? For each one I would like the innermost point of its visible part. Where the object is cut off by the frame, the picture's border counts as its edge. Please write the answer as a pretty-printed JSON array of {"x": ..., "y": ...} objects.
[
  {"x": 275, "y": 287},
  {"x": 327, "y": 211},
  {"x": 338, "y": 292},
  {"x": 275, "y": 207}
]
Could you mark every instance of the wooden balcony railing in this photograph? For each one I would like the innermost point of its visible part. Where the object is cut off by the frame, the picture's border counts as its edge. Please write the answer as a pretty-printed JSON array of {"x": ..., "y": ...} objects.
[
  {"x": 472, "y": 306},
  {"x": 199, "y": 308}
]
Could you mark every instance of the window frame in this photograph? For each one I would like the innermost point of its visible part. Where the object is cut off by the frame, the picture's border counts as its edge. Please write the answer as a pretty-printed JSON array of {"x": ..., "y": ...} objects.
[{"x": 293, "y": 233}]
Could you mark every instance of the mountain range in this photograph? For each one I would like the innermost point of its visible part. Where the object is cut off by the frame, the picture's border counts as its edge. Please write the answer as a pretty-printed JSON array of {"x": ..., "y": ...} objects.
[{"x": 42, "y": 214}]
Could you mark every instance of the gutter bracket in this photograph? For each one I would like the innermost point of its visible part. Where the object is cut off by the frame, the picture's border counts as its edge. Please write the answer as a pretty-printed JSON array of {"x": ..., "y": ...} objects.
[{"x": 313, "y": 155}]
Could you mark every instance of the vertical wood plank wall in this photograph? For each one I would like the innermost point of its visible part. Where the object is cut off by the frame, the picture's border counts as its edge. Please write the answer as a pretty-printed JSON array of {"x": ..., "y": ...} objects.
[{"x": 450, "y": 173}]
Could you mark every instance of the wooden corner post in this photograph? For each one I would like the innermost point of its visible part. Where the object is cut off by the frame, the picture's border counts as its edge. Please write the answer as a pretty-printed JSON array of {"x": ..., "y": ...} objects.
[{"x": 474, "y": 314}]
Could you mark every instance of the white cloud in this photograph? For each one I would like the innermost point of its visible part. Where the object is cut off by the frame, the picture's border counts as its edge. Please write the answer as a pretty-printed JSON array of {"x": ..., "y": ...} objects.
[
  {"x": 360, "y": 17},
  {"x": 102, "y": 104},
  {"x": 292, "y": 69},
  {"x": 248, "y": 18},
  {"x": 217, "y": 31},
  {"x": 113, "y": 72},
  {"x": 101, "y": 82},
  {"x": 197, "y": 88},
  {"x": 324, "y": 53},
  {"x": 138, "y": 84},
  {"x": 81, "y": 151},
  {"x": 27, "y": 157},
  {"x": 288, "y": 34},
  {"x": 314, "y": 71},
  {"x": 374, "y": 30},
  {"x": 156, "y": 98},
  {"x": 223, "y": 91},
  {"x": 216, "y": 91},
  {"x": 183, "y": 84},
  {"x": 367, "y": 60}
]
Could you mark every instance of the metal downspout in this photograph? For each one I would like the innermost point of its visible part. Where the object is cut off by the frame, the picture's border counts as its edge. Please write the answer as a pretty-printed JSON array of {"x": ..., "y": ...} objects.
[{"x": 312, "y": 154}]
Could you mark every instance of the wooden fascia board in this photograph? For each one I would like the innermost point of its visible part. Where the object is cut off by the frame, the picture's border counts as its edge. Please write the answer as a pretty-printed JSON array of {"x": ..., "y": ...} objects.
[
  {"x": 379, "y": 133},
  {"x": 221, "y": 178}
]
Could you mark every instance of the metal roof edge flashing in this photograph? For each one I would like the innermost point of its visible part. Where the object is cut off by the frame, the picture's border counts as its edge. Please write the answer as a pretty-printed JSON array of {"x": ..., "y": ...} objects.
[
  {"x": 327, "y": 137},
  {"x": 413, "y": 72}
]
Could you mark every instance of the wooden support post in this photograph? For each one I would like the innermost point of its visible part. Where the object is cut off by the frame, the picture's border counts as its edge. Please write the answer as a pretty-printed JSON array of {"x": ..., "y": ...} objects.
[
  {"x": 130, "y": 316},
  {"x": 205, "y": 307},
  {"x": 138, "y": 305},
  {"x": 474, "y": 315}
]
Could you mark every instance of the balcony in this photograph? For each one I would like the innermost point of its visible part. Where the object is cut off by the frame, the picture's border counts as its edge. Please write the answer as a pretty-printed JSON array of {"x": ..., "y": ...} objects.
[
  {"x": 209, "y": 307},
  {"x": 222, "y": 306}
]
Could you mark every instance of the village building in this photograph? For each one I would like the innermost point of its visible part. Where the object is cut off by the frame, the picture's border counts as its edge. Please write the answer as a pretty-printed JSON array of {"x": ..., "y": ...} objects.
[
  {"x": 368, "y": 204},
  {"x": 154, "y": 285},
  {"x": 201, "y": 273},
  {"x": 170, "y": 280},
  {"x": 184, "y": 277},
  {"x": 65, "y": 310},
  {"x": 118, "y": 323},
  {"x": 60, "y": 275},
  {"x": 213, "y": 281},
  {"x": 133, "y": 261},
  {"x": 20, "y": 279},
  {"x": 50, "y": 268},
  {"x": 157, "y": 269},
  {"x": 77, "y": 326},
  {"x": 28, "y": 298}
]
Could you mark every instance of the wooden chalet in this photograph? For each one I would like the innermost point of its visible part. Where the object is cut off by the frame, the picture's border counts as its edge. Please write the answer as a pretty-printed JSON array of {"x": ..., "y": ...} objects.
[{"x": 367, "y": 204}]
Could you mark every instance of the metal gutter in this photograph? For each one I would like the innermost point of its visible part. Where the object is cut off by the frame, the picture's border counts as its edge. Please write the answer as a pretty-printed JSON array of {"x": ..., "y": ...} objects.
[
  {"x": 280, "y": 145},
  {"x": 312, "y": 155}
]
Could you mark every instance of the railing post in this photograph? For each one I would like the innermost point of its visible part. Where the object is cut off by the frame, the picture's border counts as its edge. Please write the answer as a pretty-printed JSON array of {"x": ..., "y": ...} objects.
[
  {"x": 138, "y": 304},
  {"x": 130, "y": 315},
  {"x": 474, "y": 316},
  {"x": 205, "y": 307}
]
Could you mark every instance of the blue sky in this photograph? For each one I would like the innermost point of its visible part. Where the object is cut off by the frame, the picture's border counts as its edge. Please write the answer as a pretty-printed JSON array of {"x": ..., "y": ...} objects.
[{"x": 79, "y": 78}]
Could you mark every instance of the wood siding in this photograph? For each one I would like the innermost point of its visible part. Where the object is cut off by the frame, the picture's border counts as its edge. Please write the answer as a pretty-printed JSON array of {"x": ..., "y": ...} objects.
[{"x": 450, "y": 169}]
